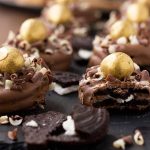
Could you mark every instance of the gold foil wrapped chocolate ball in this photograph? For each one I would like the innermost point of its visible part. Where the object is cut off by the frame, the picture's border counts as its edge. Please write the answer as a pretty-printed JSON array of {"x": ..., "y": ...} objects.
[
  {"x": 59, "y": 14},
  {"x": 65, "y": 1},
  {"x": 122, "y": 28},
  {"x": 11, "y": 60},
  {"x": 33, "y": 30},
  {"x": 118, "y": 64},
  {"x": 146, "y": 2},
  {"x": 138, "y": 12}
]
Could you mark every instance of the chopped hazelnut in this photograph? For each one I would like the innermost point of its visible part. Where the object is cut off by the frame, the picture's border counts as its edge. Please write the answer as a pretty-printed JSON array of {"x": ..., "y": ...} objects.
[
  {"x": 122, "y": 142},
  {"x": 15, "y": 120},
  {"x": 138, "y": 138},
  {"x": 4, "y": 120},
  {"x": 122, "y": 28},
  {"x": 137, "y": 12},
  {"x": 12, "y": 135}
]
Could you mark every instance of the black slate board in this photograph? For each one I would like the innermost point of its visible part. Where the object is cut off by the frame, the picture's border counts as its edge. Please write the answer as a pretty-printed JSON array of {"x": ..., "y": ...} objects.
[{"x": 121, "y": 123}]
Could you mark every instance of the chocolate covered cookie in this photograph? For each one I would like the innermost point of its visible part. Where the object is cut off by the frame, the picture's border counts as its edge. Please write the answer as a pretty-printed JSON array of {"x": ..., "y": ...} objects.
[
  {"x": 35, "y": 40},
  {"x": 77, "y": 28},
  {"x": 127, "y": 38},
  {"x": 23, "y": 81},
  {"x": 116, "y": 84},
  {"x": 85, "y": 126}
]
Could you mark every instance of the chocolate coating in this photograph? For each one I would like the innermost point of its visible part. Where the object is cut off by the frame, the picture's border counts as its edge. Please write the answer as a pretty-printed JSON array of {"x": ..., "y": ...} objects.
[
  {"x": 131, "y": 93},
  {"x": 25, "y": 91}
]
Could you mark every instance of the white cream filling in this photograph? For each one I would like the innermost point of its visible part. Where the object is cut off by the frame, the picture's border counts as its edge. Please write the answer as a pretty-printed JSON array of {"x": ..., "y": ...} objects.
[
  {"x": 32, "y": 123},
  {"x": 62, "y": 91},
  {"x": 69, "y": 126},
  {"x": 85, "y": 54},
  {"x": 120, "y": 100}
]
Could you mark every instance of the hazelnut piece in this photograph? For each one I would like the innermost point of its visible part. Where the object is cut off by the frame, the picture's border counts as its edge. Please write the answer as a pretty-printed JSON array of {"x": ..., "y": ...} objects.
[
  {"x": 33, "y": 30},
  {"x": 118, "y": 64},
  {"x": 138, "y": 137},
  {"x": 137, "y": 12},
  {"x": 59, "y": 13},
  {"x": 122, "y": 28},
  {"x": 3, "y": 120},
  {"x": 15, "y": 120},
  {"x": 11, "y": 61},
  {"x": 64, "y": 1},
  {"x": 12, "y": 135},
  {"x": 146, "y": 2}
]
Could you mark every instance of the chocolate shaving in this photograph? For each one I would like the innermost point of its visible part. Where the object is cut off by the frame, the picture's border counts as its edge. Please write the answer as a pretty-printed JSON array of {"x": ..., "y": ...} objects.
[{"x": 55, "y": 45}]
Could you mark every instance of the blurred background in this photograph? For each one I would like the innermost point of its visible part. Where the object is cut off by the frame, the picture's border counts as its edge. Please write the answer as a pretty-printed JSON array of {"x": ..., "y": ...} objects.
[{"x": 14, "y": 12}]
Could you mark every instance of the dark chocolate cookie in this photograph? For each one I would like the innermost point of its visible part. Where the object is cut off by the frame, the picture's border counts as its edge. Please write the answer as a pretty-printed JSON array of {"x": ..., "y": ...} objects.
[
  {"x": 66, "y": 79},
  {"x": 86, "y": 125},
  {"x": 91, "y": 125}
]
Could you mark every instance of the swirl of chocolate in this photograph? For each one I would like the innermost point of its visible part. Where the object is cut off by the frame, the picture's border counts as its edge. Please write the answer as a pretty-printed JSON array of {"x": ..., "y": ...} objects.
[{"x": 90, "y": 121}]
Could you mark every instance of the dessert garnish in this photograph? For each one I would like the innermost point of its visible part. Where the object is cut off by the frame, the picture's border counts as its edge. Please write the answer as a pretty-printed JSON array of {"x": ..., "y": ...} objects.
[
  {"x": 65, "y": 1},
  {"x": 122, "y": 28},
  {"x": 138, "y": 12},
  {"x": 119, "y": 65},
  {"x": 33, "y": 30},
  {"x": 12, "y": 135},
  {"x": 11, "y": 59},
  {"x": 15, "y": 120},
  {"x": 59, "y": 13},
  {"x": 4, "y": 120},
  {"x": 138, "y": 137},
  {"x": 146, "y": 2},
  {"x": 121, "y": 143}
]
